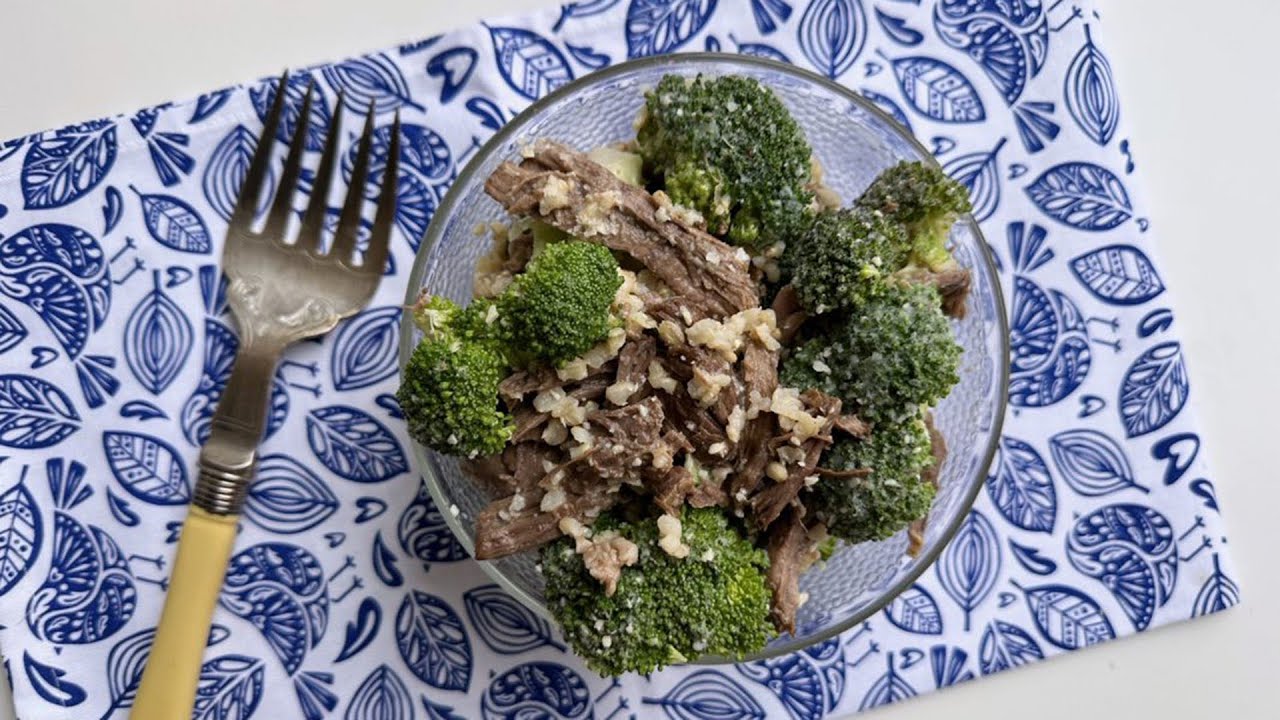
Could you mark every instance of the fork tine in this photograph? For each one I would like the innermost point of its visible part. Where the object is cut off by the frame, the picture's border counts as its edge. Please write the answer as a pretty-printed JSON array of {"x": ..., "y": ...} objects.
[
  {"x": 344, "y": 238},
  {"x": 247, "y": 203},
  {"x": 375, "y": 256},
  {"x": 311, "y": 233},
  {"x": 278, "y": 218}
]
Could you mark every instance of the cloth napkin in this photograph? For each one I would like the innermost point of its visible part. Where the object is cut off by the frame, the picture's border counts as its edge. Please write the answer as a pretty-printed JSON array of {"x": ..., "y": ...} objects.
[{"x": 352, "y": 599}]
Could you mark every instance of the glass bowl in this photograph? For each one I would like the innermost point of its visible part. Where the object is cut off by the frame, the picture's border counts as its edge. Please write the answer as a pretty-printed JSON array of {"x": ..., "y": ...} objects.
[{"x": 854, "y": 140}]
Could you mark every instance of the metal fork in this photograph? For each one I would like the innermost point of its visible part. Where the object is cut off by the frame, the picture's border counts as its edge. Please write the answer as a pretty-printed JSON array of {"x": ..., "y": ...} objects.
[{"x": 280, "y": 292}]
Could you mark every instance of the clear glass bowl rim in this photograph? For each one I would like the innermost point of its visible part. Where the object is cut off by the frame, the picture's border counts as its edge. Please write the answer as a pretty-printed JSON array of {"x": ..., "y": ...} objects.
[{"x": 436, "y": 229}]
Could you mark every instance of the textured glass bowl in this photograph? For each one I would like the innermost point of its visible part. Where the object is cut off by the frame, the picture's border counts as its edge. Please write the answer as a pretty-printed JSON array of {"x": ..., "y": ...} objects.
[{"x": 854, "y": 141}]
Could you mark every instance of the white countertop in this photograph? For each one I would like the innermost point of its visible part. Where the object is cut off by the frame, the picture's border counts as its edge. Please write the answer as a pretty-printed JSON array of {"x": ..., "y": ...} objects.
[{"x": 1198, "y": 87}]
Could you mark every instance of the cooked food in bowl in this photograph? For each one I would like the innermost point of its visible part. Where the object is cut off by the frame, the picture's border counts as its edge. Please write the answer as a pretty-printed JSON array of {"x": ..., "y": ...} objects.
[{"x": 688, "y": 371}]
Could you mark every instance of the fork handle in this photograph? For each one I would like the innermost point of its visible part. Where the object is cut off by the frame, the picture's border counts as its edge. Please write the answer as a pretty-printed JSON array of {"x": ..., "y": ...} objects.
[{"x": 172, "y": 673}]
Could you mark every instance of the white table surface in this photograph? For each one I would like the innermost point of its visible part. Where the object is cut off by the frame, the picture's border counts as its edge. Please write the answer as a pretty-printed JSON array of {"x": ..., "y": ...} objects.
[{"x": 1206, "y": 145}]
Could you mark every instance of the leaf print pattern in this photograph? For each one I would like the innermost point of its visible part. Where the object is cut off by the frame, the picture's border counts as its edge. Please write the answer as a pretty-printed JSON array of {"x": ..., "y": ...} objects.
[
  {"x": 1092, "y": 463},
  {"x": 158, "y": 339},
  {"x": 21, "y": 534},
  {"x": 373, "y": 81},
  {"x": 1020, "y": 487},
  {"x": 33, "y": 413},
  {"x": 915, "y": 611},
  {"x": 51, "y": 683},
  {"x": 353, "y": 445},
  {"x": 831, "y": 34},
  {"x": 225, "y": 170},
  {"x": 149, "y": 468},
  {"x": 970, "y": 564},
  {"x": 287, "y": 498},
  {"x": 1068, "y": 618},
  {"x": 1118, "y": 274},
  {"x": 1091, "y": 94},
  {"x": 505, "y": 625},
  {"x": 364, "y": 349},
  {"x": 938, "y": 91},
  {"x": 62, "y": 167},
  {"x": 1218, "y": 593},
  {"x": 1006, "y": 646},
  {"x": 382, "y": 695},
  {"x": 660, "y": 26},
  {"x": 423, "y": 533},
  {"x": 1082, "y": 195},
  {"x": 99, "y": 321},
  {"x": 530, "y": 64},
  {"x": 708, "y": 694},
  {"x": 433, "y": 642},
  {"x": 230, "y": 688},
  {"x": 1154, "y": 389},
  {"x": 173, "y": 223}
]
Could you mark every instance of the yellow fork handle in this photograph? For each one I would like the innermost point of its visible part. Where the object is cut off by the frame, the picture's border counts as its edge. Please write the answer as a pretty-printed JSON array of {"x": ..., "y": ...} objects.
[{"x": 168, "y": 688}]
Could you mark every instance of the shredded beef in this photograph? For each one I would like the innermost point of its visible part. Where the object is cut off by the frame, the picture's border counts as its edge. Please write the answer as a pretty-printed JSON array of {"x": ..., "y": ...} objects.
[
  {"x": 523, "y": 382},
  {"x": 688, "y": 260},
  {"x": 953, "y": 285},
  {"x": 788, "y": 550},
  {"x": 626, "y": 438},
  {"x": 789, "y": 314},
  {"x": 670, "y": 488},
  {"x": 498, "y": 536},
  {"x": 519, "y": 251}
]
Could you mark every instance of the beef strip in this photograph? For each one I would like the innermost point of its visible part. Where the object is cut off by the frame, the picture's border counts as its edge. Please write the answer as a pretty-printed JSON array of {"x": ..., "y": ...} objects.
[
  {"x": 531, "y": 528},
  {"x": 670, "y": 488},
  {"x": 633, "y": 363},
  {"x": 915, "y": 533},
  {"x": 592, "y": 387},
  {"x": 694, "y": 421},
  {"x": 789, "y": 552},
  {"x": 529, "y": 424},
  {"x": 953, "y": 284},
  {"x": 853, "y": 425},
  {"x": 770, "y": 502},
  {"x": 626, "y": 438},
  {"x": 681, "y": 310},
  {"x": 523, "y": 382},
  {"x": 491, "y": 474},
  {"x": 527, "y": 462},
  {"x": 568, "y": 190},
  {"x": 790, "y": 316},
  {"x": 709, "y": 494},
  {"x": 760, "y": 378},
  {"x": 519, "y": 251}
]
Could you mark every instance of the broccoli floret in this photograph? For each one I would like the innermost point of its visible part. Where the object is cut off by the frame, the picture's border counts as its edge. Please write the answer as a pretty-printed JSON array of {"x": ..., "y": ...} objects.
[
  {"x": 559, "y": 307},
  {"x": 876, "y": 506},
  {"x": 728, "y": 148},
  {"x": 843, "y": 256},
  {"x": 890, "y": 355},
  {"x": 664, "y": 609},
  {"x": 924, "y": 200},
  {"x": 449, "y": 395}
]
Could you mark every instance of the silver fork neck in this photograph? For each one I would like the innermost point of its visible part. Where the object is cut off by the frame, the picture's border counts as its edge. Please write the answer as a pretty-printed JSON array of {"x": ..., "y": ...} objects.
[{"x": 230, "y": 455}]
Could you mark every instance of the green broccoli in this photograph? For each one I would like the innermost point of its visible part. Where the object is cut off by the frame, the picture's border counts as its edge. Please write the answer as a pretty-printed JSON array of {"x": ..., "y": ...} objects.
[
  {"x": 843, "y": 256},
  {"x": 923, "y": 199},
  {"x": 728, "y": 148},
  {"x": 878, "y": 505},
  {"x": 449, "y": 395},
  {"x": 559, "y": 307},
  {"x": 664, "y": 609},
  {"x": 890, "y": 355}
]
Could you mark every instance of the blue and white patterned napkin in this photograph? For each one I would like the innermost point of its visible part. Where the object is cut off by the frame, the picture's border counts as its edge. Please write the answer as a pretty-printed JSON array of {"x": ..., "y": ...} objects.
[{"x": 1099, "y": 518}]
